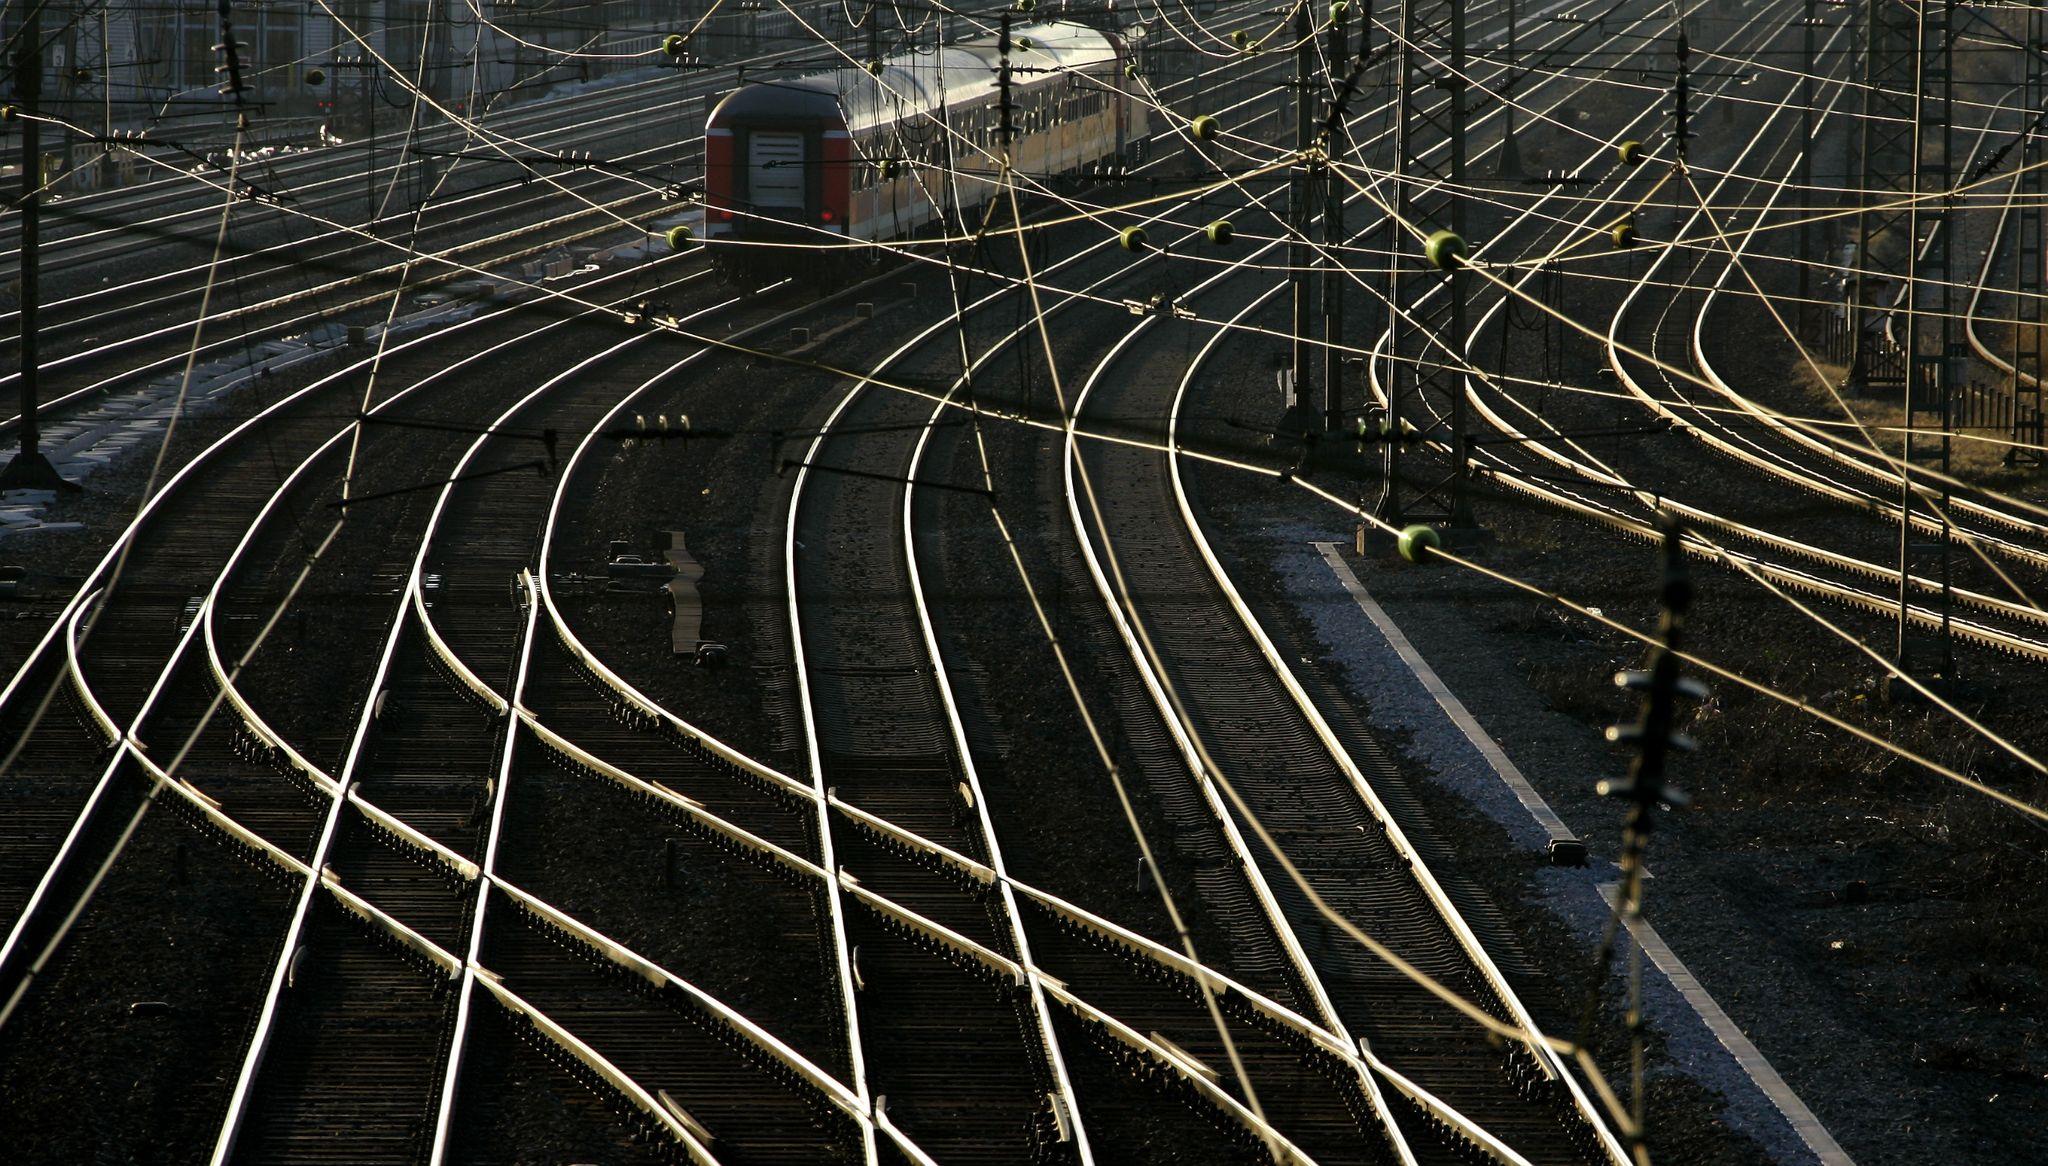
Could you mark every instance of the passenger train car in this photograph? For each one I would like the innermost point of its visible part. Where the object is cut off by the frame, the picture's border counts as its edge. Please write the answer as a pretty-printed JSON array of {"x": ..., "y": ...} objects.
[{"x": 819, "y": 162}]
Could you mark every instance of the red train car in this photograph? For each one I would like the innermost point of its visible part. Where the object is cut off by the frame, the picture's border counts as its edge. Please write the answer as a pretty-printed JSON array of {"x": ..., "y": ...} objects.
[{"x": 827, "y": 162}]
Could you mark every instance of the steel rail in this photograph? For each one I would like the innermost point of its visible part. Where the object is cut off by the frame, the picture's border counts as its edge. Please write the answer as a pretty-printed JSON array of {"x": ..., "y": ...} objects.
[
  {"x": 266, "y": 1021},
  {"x": 1800, "y": 581},
  {"x": 260, "y": 848},
  {"x": 445, "y": 257},
  {"x": 1867, "y": 500},
  {"x": 1806, "y": 582},
  {"x": 449, "y": 258},
  {"x": 1190, "y": 756},
  {"x": 1538, "y": 1047},
  {"x": 807, "y": 704},
  {"x": 179, "y": 481}
]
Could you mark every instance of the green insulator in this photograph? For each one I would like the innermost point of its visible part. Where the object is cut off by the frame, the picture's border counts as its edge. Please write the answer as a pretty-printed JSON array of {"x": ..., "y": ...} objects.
[
  {"x": 1445, "y": 249},
  {"x": 1132, "y": 239},
  {"x": 316, "y": 76},
  {"x": 1416, "y": 542},
  {"x": 1219, "y": 232},
  {"x": 1630, "y": 152},
  {"x": 1203, "y": 128},
  {"x": 679, "y": 237},
  {"x": 1624, "y": 234},
  {"x": 674, "y": 43}
]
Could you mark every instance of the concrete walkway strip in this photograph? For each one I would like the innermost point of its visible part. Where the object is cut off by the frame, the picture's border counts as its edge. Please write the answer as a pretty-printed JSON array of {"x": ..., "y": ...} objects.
[
  {"x": 1448, "y": 701},
  {"x": 1746, "y": 1054},
  {"x": 1750, "y": 1059}
]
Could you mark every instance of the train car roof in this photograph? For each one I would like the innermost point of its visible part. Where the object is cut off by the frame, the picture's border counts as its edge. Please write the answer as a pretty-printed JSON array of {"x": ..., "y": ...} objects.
[{"x": 917, "y": 84}]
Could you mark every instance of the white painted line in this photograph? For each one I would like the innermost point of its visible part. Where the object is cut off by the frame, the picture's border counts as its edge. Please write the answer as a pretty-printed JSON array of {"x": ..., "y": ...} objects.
[
  {"x": 1746, "y": 1054},
  {"x": 1447, "y": 700}
]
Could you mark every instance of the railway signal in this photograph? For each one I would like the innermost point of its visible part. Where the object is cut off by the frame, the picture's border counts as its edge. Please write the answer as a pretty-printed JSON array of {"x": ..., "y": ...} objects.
[{"x": 1647, "y": 788}]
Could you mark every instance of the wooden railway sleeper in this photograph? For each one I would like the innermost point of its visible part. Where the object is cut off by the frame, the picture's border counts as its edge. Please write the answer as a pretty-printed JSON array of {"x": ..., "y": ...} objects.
[{"x": 692, "y": 743}]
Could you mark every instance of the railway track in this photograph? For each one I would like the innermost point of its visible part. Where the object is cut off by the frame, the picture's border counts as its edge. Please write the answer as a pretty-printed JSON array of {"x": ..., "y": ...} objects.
[
  {"x": 2011, "y": 632},
  {"x": 1241, "y": 720},
  {"x": 144, "y": 664},
  {"x": 417, "y": 898},
  {"x": 173, "y": 203},
  {"x": 1451, "y": 1144}
]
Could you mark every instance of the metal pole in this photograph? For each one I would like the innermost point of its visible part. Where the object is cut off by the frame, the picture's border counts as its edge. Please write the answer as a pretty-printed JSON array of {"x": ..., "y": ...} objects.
[
  {"x": 369, "y": 142},
  {"x": 1339, "y": 53},
  {"x": 1929, "y": 381},
  {"x": 2027, "y": 260},
  {"x": 1003, "y": 83},
  {"x": 1510, "y": 154},
  {"x": 1300, "y": 196},
  {"x": 1884, "y": 166},
  {"x": 30, "y": 469},
  {"x": 1804, "y": 175},
  {"x": 1425, "y": 379}
]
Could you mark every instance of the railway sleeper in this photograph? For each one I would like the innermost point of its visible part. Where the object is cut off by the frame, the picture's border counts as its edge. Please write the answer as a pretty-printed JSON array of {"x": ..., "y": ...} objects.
[
  {"x": 644, "y": 1129},
  {"x": 242, "y": 848},
  {"x": 725, "y": 837},
  {"x": 927, "y": 938},
  {"x": 410, "y": 850},
  {"x": 410, "y": 953},
  {"x": 690, "y": 743},
  {"x": 684, "y": 1005},
  {"x": 927, "y": 860},
  {"x": 1162, "y": 1075},
  {"x": 1229, "y": 1000}
]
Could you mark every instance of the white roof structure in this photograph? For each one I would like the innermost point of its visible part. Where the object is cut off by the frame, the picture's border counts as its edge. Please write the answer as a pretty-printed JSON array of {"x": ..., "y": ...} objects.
[{"x": 917, "y": 84}]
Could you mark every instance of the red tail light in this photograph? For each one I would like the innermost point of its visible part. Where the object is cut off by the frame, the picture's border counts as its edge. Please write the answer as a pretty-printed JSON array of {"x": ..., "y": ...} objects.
[{"x": 825, "y": 216}]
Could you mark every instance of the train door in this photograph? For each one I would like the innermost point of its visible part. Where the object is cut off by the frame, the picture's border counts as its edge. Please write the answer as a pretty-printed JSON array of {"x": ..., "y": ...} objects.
[{"x": 777, "y": 177}]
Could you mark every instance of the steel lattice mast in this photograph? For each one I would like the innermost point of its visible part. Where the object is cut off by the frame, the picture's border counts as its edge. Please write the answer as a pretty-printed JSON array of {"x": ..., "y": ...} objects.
[{"x": 1424, "y": 377}]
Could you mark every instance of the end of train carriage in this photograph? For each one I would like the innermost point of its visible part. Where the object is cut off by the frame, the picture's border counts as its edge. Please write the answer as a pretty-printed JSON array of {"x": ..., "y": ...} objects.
[
  {"x": 800, "y": 173},
  {"x": 764, "y": 175}
]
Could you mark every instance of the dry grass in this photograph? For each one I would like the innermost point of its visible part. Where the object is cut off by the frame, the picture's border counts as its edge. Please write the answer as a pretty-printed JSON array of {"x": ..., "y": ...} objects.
[{"x": 1972, "y": 460}]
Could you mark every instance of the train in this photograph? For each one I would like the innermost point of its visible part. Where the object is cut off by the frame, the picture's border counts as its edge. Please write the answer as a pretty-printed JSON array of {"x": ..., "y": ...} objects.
[{"x": 811, "y": 174}]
